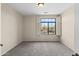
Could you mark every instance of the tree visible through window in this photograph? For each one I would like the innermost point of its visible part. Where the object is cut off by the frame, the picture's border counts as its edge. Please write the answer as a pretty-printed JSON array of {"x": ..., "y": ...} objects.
[{"x": 48, "y": 26}]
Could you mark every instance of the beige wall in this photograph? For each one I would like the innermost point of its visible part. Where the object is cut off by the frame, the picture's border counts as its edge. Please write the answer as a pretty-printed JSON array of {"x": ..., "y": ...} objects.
[
  {"x": 76, "y": 28},
  {"x": 0, "y": 28},
  {"x": 68, "y": 18},
  {"x": 11, "y": 28},
  {"x": 32, "y": 29}
]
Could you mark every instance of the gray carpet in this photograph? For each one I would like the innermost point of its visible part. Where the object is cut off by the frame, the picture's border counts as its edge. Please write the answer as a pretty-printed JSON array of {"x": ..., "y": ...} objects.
[{"x": 40, "y": 49}]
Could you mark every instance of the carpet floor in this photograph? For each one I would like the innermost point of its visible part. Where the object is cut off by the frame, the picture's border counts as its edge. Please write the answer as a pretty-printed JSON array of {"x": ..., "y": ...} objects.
[{"x": 40, "y": 49}]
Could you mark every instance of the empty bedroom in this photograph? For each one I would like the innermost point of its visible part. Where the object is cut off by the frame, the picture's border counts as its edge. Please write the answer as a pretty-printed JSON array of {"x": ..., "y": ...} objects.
[{"x": 39, "y": 29}]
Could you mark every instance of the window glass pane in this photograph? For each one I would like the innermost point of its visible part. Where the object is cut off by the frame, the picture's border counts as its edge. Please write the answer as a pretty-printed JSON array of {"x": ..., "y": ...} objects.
[
  {"x": 44, "y": 28},
  {"x": 48, "y": 20},
  {"x": 44, "y": 20},
  {"x": 51, "y": 28},
  {"x": 42, "y": 24},
  {"x": 48, "y": 26},
  {"x": 52, "y": 20}
]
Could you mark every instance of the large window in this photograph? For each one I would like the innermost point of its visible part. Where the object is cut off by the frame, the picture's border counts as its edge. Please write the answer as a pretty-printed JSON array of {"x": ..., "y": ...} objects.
[{"x": 48, "y": 26}]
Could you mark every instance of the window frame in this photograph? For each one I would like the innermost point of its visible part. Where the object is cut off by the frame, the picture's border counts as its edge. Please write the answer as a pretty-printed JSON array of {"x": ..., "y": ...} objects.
[{"x": 48, "y": 25}]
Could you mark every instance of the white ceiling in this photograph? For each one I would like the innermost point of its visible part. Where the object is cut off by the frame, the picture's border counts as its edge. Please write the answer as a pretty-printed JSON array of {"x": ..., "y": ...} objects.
[{"x": 32, "y": 9}]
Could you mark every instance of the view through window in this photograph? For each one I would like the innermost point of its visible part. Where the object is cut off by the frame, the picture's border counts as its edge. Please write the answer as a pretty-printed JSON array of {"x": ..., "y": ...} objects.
[{"x": 48, "y": 26}]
